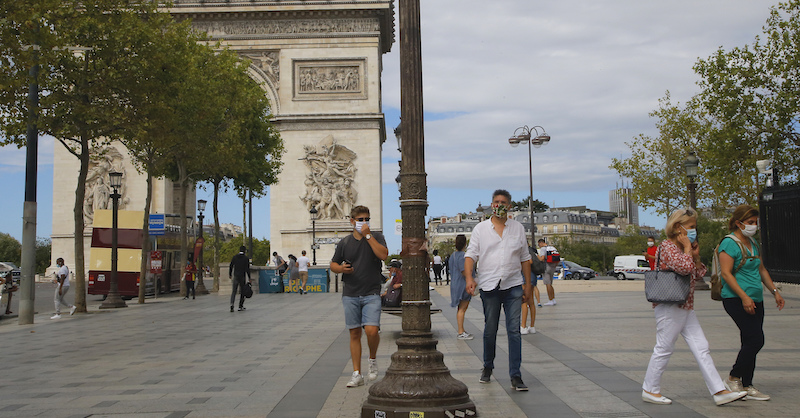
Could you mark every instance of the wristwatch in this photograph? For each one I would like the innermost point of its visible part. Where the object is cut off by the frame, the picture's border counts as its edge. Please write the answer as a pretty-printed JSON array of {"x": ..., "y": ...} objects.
[
  {"x": 774, "y": 291},
  {"x": 368, "y": 236}
]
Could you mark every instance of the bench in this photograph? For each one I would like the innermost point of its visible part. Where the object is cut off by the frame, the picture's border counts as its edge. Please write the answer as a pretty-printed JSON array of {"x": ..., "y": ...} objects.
[{"x": 398, "y": 311}]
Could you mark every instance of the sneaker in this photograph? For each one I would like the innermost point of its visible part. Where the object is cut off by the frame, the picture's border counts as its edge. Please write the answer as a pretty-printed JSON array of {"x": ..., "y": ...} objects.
[
  {"x": 523, "y": 330},
  {"x": 516, "y": 384},
  {"x": 539, "y": 304},
  {"x": 56, "y": 316},
  {"x": 532, "y": 330},
  {"x": 231, "y": 308},
  {"x": 373, "y": 369},
  {"x": 72, "y": 310},
  {"x": 465, "y": 336},
  {"x": 733, "y": 384},
  {"x": 486, "y": 375},
  {"x": 729, "y": 397},
  {"x": 755, "y": 394},
  {"x": 550, "y": 303},
  {"x": 241, "y": 308},
  {"x": 658, "y": 400},
  {"x": 356, "y": 380}
]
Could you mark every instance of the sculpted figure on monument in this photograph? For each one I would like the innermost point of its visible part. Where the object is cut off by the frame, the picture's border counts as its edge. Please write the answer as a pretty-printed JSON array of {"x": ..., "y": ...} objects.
[
  {"x": 329, "y": 179},
  {"x": 98, "y": 184}
]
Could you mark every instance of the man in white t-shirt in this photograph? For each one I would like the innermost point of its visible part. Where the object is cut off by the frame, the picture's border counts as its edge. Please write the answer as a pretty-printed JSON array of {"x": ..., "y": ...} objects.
[
  {"x": 62, "y": 279},
  {"x": 549, "y": 270},
  {"x": 302, "y": 267}
]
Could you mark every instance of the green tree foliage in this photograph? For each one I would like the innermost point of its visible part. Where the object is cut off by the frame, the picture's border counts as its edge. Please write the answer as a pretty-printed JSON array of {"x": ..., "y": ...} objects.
[
  {"x": 227, "y": 249},
  {"x": 538, "y": 205},
  {"x": 43, "y": 254},
  {"x": 709, "y": 235},
  {"x": 10, "y": 249}
]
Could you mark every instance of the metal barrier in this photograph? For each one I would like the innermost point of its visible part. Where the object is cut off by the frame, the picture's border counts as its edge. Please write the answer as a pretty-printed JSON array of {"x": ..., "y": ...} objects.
[{"x": 779, "y": 209}]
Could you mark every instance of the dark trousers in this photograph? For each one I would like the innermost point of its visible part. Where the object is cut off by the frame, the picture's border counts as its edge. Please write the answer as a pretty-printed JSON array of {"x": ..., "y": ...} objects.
[
  {"x": 437, "y": 273},
  {"x": 238, "y": 284},
  {"x": 190, "y": 288},
  {"x": 751, "y": 332}
]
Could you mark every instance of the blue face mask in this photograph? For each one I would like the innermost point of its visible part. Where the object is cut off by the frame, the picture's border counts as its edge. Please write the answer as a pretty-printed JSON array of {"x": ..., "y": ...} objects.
[{"x": 691, "y": 234}]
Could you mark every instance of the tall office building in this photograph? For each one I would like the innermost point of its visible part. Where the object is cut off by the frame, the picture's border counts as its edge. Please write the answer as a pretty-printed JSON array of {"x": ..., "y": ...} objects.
[{"x": 621, "y": 201}]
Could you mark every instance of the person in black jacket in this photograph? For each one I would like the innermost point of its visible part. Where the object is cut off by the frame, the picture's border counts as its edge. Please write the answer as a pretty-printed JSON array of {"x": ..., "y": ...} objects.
[{"x": 240, "y": 265}]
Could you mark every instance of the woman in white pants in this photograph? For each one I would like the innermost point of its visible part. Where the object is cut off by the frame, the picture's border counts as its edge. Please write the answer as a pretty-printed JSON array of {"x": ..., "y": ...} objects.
[{"x": 681, "y": 254}]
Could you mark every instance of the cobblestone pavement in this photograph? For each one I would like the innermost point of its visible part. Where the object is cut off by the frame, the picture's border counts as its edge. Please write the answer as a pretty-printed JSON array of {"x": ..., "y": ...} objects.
[{"x": 287, "y": 356}]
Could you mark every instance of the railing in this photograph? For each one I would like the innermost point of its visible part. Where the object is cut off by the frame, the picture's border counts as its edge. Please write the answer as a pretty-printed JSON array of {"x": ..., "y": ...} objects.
[{"x": 780, "y": 227}]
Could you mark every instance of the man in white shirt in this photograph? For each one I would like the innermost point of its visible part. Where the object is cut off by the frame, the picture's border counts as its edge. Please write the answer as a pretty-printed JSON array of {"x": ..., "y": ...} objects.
[
  {"x": 302, "y": 267},
  {"x": 62, "y": 279},
  {"x": 501, "y": 247},
  {"x": 549, "y": 270}
]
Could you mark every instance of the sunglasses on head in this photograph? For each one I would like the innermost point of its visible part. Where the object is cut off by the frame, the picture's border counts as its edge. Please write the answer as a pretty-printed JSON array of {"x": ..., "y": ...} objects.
[{"x": 362, "y": 219}]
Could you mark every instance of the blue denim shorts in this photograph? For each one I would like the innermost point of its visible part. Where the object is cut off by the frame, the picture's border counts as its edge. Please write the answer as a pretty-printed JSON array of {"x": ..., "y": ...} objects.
[{"x": 362, "y": 310}]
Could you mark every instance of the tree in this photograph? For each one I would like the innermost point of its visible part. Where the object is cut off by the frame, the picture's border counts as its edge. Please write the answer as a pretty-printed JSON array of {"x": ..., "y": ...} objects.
[
  {"x": 752, "y": 93},
  {"x": 43, "y": 254},
  {"x": 10, "y": 249},
  {"x": 538, "y": 205}
]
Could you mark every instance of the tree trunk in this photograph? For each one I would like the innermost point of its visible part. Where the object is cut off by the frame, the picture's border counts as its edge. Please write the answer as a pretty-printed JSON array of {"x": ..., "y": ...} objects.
[
  {"x": 184, "y": 233},
  {"x": 146, "y": 240},
  {"x": 80, "y": 194},
  {"x": 216, "y": 237}
]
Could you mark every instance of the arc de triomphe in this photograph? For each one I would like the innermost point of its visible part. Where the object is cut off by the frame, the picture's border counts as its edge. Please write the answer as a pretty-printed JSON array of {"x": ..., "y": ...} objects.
[{"x": 319, "y": 63}]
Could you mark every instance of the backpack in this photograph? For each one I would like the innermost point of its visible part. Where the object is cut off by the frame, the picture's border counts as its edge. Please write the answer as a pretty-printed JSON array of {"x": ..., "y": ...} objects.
[
  {"x": 716, "y": 271},
  {"x": 552, "y": 255}
]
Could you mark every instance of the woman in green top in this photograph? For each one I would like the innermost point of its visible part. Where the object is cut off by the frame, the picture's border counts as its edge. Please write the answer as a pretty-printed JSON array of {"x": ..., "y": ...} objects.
[{"x": 743, "y": 296}]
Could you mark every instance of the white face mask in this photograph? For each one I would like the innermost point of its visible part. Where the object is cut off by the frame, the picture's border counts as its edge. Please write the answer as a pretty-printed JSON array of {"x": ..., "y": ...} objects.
[
  {"x": 650, "y": 243},
  {"x": 360, "y": 225},
  {"x": 749, "y": 230}
]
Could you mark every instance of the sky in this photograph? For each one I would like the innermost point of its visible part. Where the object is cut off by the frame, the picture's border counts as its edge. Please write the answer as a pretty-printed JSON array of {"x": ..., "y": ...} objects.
[{"x": 588, "y": 72}]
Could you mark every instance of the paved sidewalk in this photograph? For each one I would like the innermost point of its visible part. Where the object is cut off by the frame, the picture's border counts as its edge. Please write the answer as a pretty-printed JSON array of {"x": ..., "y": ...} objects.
[{"x": 287, "y": 356}]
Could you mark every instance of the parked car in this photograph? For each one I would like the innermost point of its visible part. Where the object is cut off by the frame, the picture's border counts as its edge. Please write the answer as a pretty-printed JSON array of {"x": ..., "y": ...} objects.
[
  {"x": 574, "y": 271},
  {"x": 630, "y": 267}
]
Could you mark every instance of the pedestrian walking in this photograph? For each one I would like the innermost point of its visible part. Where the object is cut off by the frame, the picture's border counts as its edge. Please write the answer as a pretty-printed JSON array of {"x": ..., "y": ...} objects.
[
  {"x": 500, "y": 246},
  {"x": 359, "y": 258},
  {"x": 681, "y": 253},
  {"x": 447, "y": 268},
  {"x": 530, "y": 305},
  {"x": 240, "y": 265},
  {"x": 294, "y": 273},
  {"x": 743, "y": 296},
  {"x": 280, "y": 267},
  {"x": 191, "y": 269},
  {"x": 437, "y": 267},
  {"x": 459, "y": 297},
  {"x": 549, "y": 254},
  {"x": 62, "y": 281},
  {"x": 302, "y": 267}
]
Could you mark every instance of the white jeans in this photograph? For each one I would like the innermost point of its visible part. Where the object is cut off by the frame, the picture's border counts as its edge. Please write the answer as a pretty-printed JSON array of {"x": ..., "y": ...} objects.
[
  {"x": 672, "y": 321},
  {"x": 59, "y": 299}
]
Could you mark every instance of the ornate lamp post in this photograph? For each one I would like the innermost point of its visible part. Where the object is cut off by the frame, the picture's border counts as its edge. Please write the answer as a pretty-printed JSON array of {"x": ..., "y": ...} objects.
[
  {"x": 313, "y": 213},
  {"x": 690, "y": 165},
  {"x": 113, "y": 299},
  {"x": 417, "y": 380},
  {"x": 526, "y": 135},
  {"x": 201, "y": 287}
]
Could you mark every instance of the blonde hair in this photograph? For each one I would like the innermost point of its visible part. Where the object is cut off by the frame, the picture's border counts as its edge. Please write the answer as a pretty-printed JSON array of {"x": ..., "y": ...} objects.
[
  {"x": 741, "y": 214},
  {"x": 677, "y": 217}
]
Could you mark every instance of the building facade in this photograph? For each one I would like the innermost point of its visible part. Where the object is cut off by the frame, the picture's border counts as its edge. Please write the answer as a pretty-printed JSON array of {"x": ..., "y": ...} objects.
[{"x": 621, "y": 202}]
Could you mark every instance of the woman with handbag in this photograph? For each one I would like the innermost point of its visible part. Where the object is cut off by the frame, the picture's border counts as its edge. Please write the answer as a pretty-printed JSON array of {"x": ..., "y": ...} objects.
[
  {"x": 294, "y": 273},
  {"x": 680, "y": 253},
  {"x": 743, "y": 296},
  {"x": 393, "y": 295}
]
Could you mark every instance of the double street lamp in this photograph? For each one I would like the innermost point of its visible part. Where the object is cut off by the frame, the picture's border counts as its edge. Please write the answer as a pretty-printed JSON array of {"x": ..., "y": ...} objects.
[
  {"x": 313, "y": 213},
  {"x": 532, "y": 137},
  {"x": 201, "y": 287},
  {"x": 113, "y": 299}
]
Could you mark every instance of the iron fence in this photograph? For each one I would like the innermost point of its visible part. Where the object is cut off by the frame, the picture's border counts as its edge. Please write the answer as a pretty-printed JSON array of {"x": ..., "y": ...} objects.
[{"x": 779, "y": 208}]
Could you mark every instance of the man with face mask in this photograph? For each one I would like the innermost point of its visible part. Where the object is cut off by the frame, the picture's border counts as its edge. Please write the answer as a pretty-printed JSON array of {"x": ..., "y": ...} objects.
[
  {"x": 650, "y": 252},
  {"x": 358, "y": 257},
  {"x": 501, "y": 247}
]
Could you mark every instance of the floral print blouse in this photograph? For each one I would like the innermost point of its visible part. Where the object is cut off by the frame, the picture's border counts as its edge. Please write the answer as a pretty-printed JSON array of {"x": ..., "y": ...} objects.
[{"x": 673, "y": 258}]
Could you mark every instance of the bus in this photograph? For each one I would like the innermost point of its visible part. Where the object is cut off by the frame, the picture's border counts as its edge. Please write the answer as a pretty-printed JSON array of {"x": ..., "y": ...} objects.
[{"x": 166, "y": 277}]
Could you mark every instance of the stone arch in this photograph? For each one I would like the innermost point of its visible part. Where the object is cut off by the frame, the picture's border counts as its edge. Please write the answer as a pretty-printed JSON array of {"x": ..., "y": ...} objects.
[{"x": 268, "y": 85}]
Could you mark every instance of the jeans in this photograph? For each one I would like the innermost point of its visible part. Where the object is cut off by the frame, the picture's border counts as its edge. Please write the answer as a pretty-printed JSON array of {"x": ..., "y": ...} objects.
[
  {"x": 361, "y": 311},
  {"x": 511, "y": 301},
  {"x": 751, "y": 332}
]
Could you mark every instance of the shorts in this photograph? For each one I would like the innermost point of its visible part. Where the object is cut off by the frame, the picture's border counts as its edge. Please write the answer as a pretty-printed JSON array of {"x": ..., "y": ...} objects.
[
  {"x": 360, "y": 311},
  {"x": 549, "y": 271},
  {"x": 304, "y": 275},
  {"x": 534, "y": 279}
]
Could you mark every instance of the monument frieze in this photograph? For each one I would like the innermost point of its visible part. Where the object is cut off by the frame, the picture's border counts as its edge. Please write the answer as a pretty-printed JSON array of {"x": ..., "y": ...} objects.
[
  {"x": 249, "y": 27},
  {"x": 329, "y": 79}
]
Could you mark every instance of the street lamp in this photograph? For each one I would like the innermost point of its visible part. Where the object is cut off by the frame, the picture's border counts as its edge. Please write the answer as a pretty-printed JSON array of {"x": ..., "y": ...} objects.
[
  {"x": 531, "y": 136},
  {"x": 113, "y": 299},
  {"x": 690, "y": 165},
  {"x": 201, "y": 287},
  {"x": 313, "y": 213},
  {"x": 417, "y": 379}
]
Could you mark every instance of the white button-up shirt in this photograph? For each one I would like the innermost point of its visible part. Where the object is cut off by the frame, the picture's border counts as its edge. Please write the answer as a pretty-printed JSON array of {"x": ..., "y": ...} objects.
[{"x": 499, "y": 257}]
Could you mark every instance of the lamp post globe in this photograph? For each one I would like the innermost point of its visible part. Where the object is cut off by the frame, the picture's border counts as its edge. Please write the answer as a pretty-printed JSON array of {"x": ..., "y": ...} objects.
[
  {"x": 113, "y": 298},
  {"x": 532, "y": 137},
  {"x": 201, "y": 286},
  {"x": 313, "y": 213},
  {"x": 690, "y": 165}
]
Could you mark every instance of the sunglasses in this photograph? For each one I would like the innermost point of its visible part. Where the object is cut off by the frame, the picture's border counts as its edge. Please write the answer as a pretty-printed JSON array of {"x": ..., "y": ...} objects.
[{"x": 362, "y": 219}]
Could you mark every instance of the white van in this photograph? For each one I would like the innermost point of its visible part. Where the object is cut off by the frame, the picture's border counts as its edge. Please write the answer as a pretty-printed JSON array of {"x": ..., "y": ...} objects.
[{"x": 630, "y": 267}]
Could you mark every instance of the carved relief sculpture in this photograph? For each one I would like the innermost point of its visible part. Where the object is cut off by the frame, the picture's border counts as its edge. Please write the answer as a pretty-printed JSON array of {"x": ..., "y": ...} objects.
[
  {"x": 329, "y": 179},
  {"x": 98, "y": 183},
  {"x": 267, "y": 61}
]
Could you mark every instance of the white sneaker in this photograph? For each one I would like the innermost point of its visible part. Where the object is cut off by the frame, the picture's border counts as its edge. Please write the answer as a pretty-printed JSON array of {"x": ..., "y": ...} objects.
[
  {"x": 56, "y": 316},
  {"x": 523, "y": 330},
  {"x": 550, "y": 303},
  {"x": 356, "y": 380},
  {"x": 373, "y": 369},
  {"x": 72, "y": 310},
  {"x": 532, "y": 330},
  {"x": 465, "y": 336}
]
